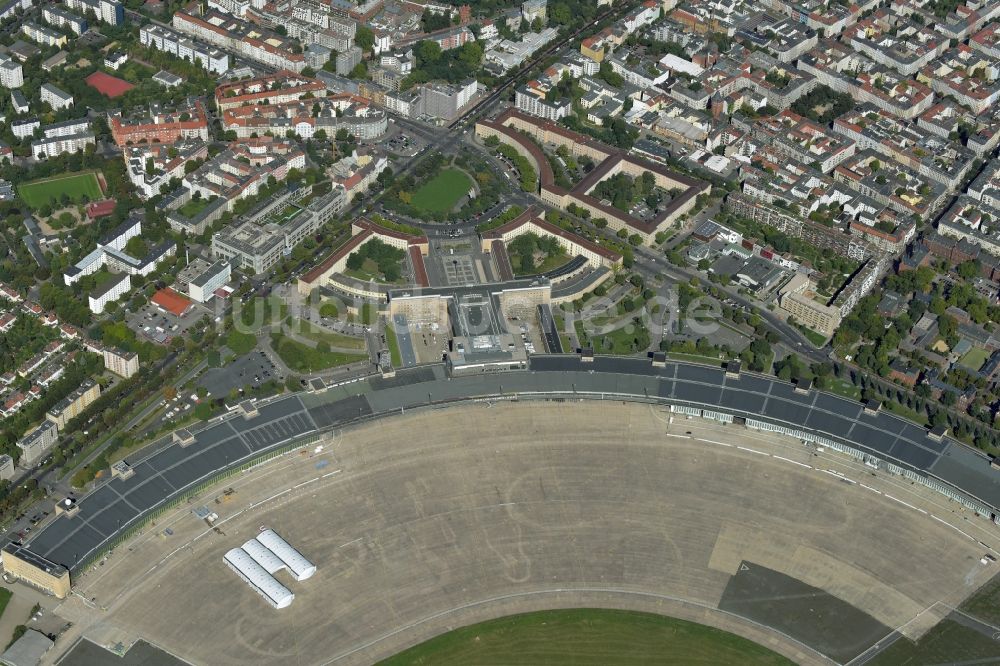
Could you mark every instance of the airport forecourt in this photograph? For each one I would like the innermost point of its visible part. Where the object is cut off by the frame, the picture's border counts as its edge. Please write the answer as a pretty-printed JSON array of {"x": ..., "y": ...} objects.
[{"x": 87, "y": 528}]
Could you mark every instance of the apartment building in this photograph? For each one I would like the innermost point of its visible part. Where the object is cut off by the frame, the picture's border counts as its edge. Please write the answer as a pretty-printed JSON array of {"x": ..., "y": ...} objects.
[
  {"x": 182, "y": 46},
  {"x": 37, "y": 443},
  {"x": 111, "y": 12},
  {"x": 60, "y": 18},
  {"x": 345, "y": 111},
  {"x": 161, "y": 125},
  {"x": 57, "y": 98},
  {"x": 168, "y": 163},
  {"x": 74, "y": 404},
  {"x": 278, "y": 88},
  {"x": 42, "y": 35},
  {"x": 243, "y": 38},
  {"x": 11, "y": 72},
  {"x": 121, "y": 362},
  {"x": 56, "y": 145},
  {"x": 111, "y": 291}
]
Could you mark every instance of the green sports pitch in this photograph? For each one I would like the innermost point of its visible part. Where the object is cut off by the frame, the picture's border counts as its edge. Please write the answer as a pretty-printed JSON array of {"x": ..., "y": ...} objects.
[
  {"x": 586, "y": 637},
  {"x": 38, "y": 193}
]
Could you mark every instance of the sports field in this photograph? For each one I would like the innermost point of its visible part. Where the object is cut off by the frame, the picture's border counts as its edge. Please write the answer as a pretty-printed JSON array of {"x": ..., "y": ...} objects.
[
  {"x": 442, "y": 192},
  {"x": 586, "y": 636},
  {"x": 975, "y": 358},
  {"x": 38, "y": 193}
]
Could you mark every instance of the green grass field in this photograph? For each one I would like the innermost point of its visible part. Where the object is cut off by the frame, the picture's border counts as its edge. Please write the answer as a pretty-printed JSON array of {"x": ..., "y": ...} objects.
[
  {"x": 38, "y": 193},
  {"x": 194, "y": 206},
  {"x": 443, "y": 191},
  {"x": 302, "y": 358},
  {"x": 316, "y": 334},
  {"x": 974, "y": 358},
  {"x": 620, "y": 341},
  {"x": 586, "y": 637},
  {"x": 393, "y": 344},
  {"x": 947, "y": 643}
]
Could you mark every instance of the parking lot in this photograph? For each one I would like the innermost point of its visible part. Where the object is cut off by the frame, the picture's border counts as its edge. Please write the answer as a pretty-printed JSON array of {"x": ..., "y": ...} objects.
[
  {"x": 399, "y": 142},
  {"x": 251, "y": 369},
  {"x": 157, "y": 325}
]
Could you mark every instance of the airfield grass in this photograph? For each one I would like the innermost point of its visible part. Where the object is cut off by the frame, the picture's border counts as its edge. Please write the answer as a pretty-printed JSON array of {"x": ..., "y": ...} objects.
[
  {"x": 443, "y": 191},
  {"x": 585, "y": 637},
  {"x": 38, "y": 193},
  {"x": 947, "y": 643}
]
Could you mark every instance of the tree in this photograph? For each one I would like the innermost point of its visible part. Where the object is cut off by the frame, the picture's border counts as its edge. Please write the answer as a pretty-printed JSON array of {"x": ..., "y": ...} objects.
[
  {"x": 427, "y": 52},
  {"x": 360, "y": 71},
  {"x": 364, "y": 38}
]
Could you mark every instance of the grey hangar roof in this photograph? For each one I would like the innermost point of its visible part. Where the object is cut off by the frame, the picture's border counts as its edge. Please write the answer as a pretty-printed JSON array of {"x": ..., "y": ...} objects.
[{"x": 169, "y": 473}]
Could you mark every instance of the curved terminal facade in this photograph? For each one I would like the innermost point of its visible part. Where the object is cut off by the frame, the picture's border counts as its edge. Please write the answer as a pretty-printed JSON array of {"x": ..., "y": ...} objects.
[{"x": 893, "y": 445}]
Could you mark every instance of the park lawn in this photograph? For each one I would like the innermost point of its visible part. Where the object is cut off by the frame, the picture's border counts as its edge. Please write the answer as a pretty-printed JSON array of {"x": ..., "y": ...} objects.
[
  {"x": 38, "y": 193},
  {"x": 316, "y": 334},
  {"x": 368, "y": 271},
  {"x": 817, "y": 339},
  {"x": 302, "y": 358},
  {"x": 260, "y": 311},
  {"x": 842, "y": 387},
  {"x": 443, "y": 191},
  {"x": 366, "y": 316},
  {"x": 194, "y": 206},
  {"x": 393, "y": 344},
  {"x": 329, "y": 309},
  {"x": 975, "y": 358},
  {"x": 586, "y": 637},
  {"x": 617, "y": 342},
  {"x": 240, "y": 343}
]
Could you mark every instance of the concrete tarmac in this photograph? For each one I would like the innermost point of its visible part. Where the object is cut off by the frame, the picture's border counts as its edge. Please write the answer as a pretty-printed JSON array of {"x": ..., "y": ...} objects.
[{"x": 438, "y": 519}]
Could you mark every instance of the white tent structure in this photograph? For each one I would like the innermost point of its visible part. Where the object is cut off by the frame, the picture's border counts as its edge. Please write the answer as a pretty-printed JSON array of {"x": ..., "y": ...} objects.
[
  {"x": 298, "y": 566},
  {"x": 258, "y": 578},
  {"x": 264, "y": 556}
]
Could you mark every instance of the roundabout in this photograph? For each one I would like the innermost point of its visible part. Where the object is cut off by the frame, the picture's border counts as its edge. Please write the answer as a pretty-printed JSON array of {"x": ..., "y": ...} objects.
[{"x": 431, "y": 520}]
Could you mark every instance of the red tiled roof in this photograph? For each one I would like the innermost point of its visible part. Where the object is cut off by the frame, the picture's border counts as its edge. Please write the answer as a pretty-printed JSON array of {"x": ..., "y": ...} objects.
[
  {"x": 419, "y": 270},
  {"x": 530, "y": 215},
  {"x": 171, "y": 301},
  {"x": 101, "y": 208}
]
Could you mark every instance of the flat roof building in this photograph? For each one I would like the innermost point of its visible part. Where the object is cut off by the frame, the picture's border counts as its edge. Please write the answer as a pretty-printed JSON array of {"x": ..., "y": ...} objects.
[{"x": 35, "y": 570}]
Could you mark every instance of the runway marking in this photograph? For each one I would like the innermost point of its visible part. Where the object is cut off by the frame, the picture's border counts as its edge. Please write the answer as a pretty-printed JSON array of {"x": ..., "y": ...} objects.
[
  {"x": 306, "y": 482},
  {"x": 896, "y": 499},
  {"x": 712, "y": 441},
  {"x": 279, "y": 494},
  {"x": 870, "y": 488},
  {"x": 336, "y": 471},
  {"x": 945, "y": 522},
  {"x": 832, "y": 473},
  {"x": 670, "y": 434},
  {"x": 794, "y": 462},
  {"x": 760, "y": 453}
]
